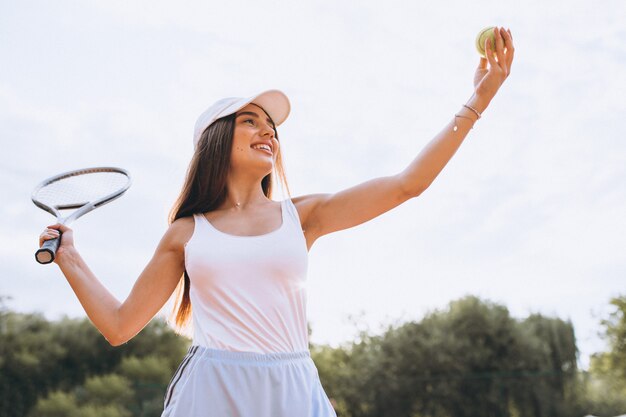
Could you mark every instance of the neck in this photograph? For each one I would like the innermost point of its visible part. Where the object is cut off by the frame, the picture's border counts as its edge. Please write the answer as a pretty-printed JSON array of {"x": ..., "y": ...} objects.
[{"x": 242, "y": 194}]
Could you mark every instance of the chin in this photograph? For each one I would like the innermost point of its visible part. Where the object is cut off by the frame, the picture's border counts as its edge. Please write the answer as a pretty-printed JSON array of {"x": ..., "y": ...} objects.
[{"x": 264, "y": 168}]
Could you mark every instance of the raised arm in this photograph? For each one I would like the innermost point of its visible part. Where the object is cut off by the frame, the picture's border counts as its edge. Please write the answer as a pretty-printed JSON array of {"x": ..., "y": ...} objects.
[
  {"x": 326, "y": 213},
  {"x": 119, "y": 322}
]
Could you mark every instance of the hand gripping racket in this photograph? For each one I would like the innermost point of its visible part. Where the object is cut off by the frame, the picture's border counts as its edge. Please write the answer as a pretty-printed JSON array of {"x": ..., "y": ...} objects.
[{"x": 83, "y": 190}]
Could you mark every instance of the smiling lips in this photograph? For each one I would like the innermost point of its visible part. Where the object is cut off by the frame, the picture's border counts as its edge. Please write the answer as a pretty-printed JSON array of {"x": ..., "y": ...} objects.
[{"x": 264, "y": 148}]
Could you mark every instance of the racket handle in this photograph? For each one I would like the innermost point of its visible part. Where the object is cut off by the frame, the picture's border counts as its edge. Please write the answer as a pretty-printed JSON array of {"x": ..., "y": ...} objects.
[{"x": 48, "y": 251}]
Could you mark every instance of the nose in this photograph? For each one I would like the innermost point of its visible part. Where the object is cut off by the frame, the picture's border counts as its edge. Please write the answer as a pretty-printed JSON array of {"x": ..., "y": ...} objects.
[{"x": 268, "y": 129}]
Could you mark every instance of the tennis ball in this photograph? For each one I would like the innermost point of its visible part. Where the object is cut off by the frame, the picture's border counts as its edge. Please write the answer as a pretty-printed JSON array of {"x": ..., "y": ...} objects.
[{"x": 487, "y": 32}]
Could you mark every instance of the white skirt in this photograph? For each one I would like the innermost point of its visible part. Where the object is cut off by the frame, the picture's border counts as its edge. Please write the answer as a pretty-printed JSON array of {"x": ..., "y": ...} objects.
[{"x": 222, "y": 383}]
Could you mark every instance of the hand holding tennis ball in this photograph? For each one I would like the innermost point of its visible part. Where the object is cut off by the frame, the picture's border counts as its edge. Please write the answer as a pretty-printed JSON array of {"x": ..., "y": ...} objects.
[{"x": 495, "y": 46}]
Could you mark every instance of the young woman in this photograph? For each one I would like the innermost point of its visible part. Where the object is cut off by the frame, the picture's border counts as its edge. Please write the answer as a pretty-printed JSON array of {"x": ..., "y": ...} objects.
[{"x": 240, "y": 259}]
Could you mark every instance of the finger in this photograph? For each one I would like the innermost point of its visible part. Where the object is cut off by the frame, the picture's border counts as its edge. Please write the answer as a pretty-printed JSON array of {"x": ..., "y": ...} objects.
[
  {"x": 489, "y": 53},
  {"x": 507, "y": 38},
  {"x": 508, "y": 45},
  {"x": 51, "y": 232},
  {"x": 47, "y": 235},
  {"x": 510, "y": 50},
  {"x": 60, "y": 227},
  {"x": 504, "y": 56},
  {"x": 43, "y": 239},
  {"x": 499, "y": 45}
]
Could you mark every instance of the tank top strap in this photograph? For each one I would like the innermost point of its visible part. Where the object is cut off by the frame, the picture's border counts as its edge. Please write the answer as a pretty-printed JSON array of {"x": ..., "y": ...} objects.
[
  {"x": 292, "y": 213},
  {"x": 199, "y": 218},
  {"x": 201, "y": 223}
]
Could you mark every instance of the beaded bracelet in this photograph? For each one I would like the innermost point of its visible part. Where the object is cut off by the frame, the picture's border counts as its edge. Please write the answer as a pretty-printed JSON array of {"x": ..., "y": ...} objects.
[
  {"x": 465, "y": 117},
  {"x": 473, "y": 109}
]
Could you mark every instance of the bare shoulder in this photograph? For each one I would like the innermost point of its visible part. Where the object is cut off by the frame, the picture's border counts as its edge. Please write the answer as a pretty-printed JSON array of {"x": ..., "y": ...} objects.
[
  {"x": 306, "y": 204},
  {"x": 178, "y": 234}
]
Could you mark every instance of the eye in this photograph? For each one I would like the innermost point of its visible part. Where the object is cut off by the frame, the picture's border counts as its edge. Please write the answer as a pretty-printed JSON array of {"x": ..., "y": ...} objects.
[{"x": 253, "y": 122}]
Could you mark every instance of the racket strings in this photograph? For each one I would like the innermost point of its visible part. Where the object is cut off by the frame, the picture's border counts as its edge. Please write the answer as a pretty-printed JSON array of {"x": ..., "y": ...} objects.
[{"x": 78, "y": 190}]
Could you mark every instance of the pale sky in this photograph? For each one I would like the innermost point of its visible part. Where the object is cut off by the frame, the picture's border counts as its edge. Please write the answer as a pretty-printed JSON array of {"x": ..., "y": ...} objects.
[{"x": 529, "y": 213}]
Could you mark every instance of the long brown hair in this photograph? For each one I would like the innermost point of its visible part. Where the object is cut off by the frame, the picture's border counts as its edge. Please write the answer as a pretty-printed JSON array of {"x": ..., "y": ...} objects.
[{"x": 204, "y": 190}]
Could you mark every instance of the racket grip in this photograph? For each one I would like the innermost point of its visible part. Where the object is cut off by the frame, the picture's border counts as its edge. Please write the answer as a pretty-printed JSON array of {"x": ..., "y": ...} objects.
[{"x": 48, "y": 251}]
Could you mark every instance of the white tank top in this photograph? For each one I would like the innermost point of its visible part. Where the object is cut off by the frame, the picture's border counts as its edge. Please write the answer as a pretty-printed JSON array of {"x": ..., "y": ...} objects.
[{"x": 248, "y": 292}]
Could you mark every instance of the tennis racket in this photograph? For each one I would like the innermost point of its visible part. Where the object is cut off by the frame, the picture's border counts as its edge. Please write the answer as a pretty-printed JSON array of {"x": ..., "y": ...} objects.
[{"x": 82, "y": 190}]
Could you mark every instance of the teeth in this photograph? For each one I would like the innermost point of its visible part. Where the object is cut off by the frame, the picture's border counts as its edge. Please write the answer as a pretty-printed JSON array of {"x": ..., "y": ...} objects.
[{"x": 267, "y": 148}]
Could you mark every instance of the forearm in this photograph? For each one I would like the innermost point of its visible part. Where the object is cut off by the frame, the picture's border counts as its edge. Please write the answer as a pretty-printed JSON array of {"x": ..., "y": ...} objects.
[
  {"x": 423, "y": 170},
  {"x": 101, "y": 306}
]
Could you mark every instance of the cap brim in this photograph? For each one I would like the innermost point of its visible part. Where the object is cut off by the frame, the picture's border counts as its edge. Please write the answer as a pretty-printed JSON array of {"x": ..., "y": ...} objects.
[{"x": 274, "y": 102}]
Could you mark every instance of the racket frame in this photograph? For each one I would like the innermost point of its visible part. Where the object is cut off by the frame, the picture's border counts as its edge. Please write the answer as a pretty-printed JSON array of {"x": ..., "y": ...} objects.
[{"x": 46, "y": 253}]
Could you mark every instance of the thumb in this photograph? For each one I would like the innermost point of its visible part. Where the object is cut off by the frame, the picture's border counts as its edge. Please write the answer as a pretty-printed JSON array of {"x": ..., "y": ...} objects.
[{"x": 483, "y": 63}]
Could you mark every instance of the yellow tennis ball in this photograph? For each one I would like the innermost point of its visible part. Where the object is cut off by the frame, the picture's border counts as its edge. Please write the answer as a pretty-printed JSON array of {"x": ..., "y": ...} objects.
[{"x": 487, "y": 32}]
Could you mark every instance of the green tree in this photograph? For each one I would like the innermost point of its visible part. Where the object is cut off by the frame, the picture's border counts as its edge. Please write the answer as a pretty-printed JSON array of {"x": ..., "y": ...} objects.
[
  {"x": 606, "y": 381},
  {"x": 469, "y": 359},
  {"x": 547, "y": 356},
  {"x": 613, "y": 362},
  {"x": 106, "y": 389},
  {"x": 61, "y": 404},
  {"x": 57, "y": 404},
  {"x": 66, "y": 367}
]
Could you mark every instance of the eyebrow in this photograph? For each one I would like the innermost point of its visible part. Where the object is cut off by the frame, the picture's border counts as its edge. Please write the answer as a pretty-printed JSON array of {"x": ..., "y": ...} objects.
[{"x": 249, "y": 113}]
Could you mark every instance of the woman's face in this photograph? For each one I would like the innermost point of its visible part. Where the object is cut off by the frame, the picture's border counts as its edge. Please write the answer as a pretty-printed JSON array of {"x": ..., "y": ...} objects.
[{"x": 254, "y": 134}]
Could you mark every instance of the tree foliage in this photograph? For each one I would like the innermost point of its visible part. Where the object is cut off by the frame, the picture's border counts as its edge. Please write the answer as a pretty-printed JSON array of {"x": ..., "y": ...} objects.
[
  {"x": 66, "y": 368},
  {"x": 470, "y": 359},
  {"x": 606, "y": 381}
]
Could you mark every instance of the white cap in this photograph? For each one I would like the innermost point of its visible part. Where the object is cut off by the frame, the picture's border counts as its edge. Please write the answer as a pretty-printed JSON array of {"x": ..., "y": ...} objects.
[{"x": 274, "y": 102}]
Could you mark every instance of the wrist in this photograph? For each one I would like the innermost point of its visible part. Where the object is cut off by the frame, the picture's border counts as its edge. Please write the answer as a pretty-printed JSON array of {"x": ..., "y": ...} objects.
[
  {"x": 479, "y": 102},
  {"x": 472, "y": 110},
  {"x": 67, "y": 257}
]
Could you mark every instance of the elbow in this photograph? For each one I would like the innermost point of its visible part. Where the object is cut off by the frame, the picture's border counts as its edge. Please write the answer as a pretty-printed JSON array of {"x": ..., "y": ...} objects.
[
  {"x": 116, "y": 339},
  {"x": 114, "y": 342},
  {"x": 418, "y": 191},
  {"x": 115, "y": 334},
  {"x": 410, "y": 189}
]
